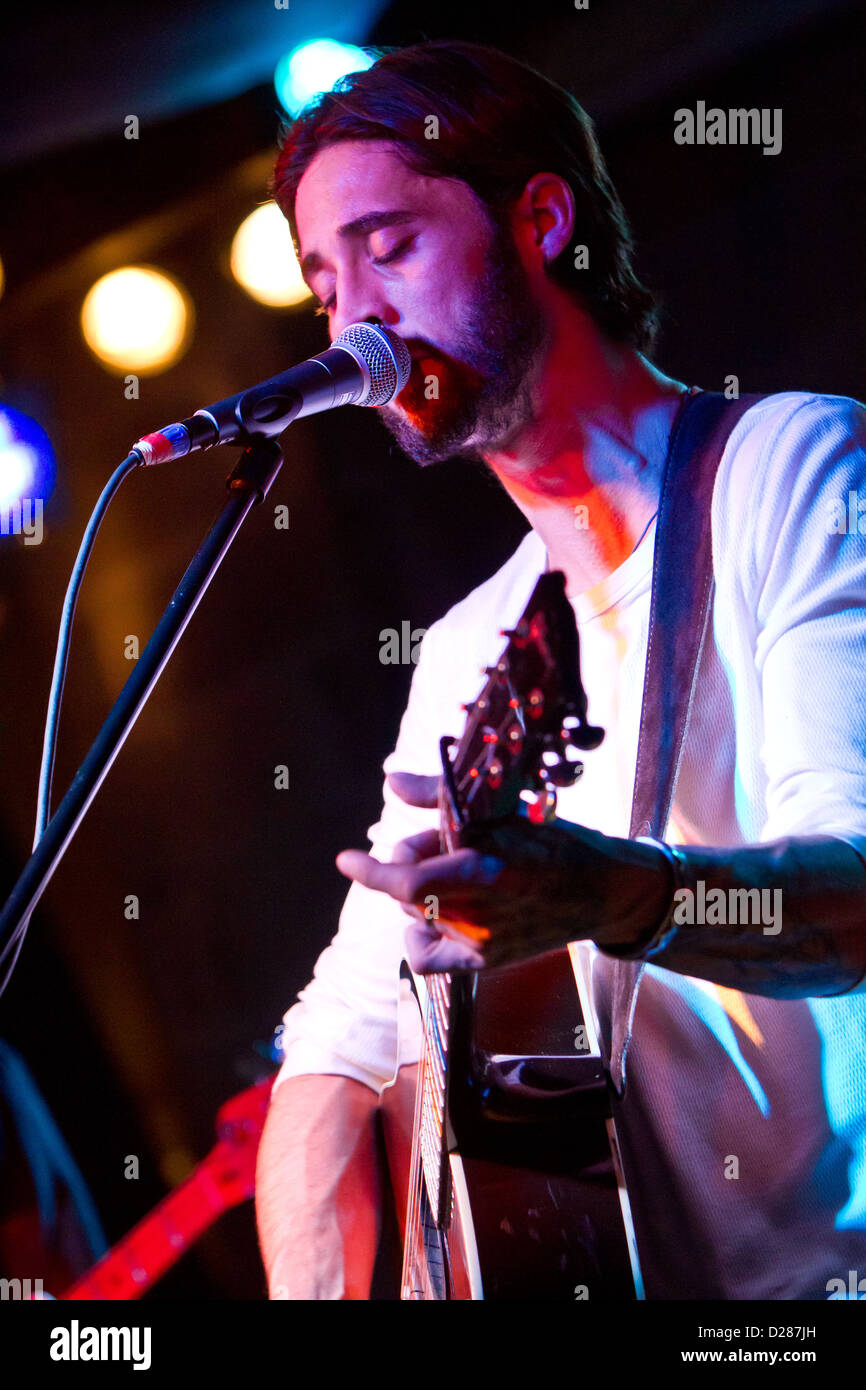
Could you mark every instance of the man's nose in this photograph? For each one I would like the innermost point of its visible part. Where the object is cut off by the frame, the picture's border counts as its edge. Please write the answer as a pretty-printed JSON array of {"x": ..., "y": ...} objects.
[
  {"x": 357, "y": 303},
  {"x": 341, "y": 321}
]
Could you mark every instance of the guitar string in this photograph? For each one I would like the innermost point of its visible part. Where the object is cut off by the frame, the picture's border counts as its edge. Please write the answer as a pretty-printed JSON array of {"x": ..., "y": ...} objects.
[{"x": 439, "y": 991}]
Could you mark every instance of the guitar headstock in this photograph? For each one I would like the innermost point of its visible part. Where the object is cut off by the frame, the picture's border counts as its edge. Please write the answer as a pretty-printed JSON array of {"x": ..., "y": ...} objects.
[
  {"x": 244, "y": 1115},
  {"x": 239, "y": 1125},
  {"x": 524, "y": 731}
]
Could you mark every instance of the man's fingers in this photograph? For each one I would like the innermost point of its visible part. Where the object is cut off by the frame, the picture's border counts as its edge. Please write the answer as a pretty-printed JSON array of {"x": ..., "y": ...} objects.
[
  {"x": 383, "y": 878},
  {"x": 429, "y": 952},
  {"x": 416, "y": 847},
  {"x": 400, "y": 881},
  {"x": 417, "y": 791},
  {"x": 411, "y": 880}
]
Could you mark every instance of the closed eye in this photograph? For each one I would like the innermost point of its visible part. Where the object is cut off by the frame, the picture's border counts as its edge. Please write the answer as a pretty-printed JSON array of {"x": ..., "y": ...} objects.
[{"x": 394, "y": 254}]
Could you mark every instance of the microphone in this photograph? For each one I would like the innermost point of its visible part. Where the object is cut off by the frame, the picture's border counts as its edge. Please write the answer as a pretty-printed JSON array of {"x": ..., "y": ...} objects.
[{"x": 366, "y": 365}]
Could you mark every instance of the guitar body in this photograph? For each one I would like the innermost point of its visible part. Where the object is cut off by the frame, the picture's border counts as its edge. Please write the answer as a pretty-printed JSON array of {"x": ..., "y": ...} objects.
[
  {"x": 516, "y": 1188},
  {"x": 538, "y": 1209}
]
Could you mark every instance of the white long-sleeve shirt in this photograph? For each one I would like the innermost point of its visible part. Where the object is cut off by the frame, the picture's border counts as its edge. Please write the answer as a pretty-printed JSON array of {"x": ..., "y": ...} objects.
[{"x": 776, "y": 747}]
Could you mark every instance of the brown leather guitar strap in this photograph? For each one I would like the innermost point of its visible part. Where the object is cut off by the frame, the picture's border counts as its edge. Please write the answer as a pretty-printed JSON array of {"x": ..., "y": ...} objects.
[{"x": 680, "y": 608}]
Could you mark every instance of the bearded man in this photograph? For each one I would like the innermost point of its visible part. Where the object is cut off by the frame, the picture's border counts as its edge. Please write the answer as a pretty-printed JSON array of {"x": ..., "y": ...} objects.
[{"x": 459, "y": 199}]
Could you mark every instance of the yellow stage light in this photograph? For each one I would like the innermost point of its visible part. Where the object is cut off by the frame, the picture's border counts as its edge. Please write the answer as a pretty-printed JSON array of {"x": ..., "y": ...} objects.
[
  {"x": 137, "y": 319},
  {"x": 263, "y": 259}
]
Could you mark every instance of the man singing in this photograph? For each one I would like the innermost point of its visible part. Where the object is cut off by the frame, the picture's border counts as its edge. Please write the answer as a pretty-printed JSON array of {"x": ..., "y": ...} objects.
[{"x": 459, "y": 198}]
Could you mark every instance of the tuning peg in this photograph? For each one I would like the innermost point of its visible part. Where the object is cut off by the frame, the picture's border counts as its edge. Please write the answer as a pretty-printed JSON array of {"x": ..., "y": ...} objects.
[
  {"x": 579, "y": 734},
  {"x": 476, "y": 704},
  {"x": 473, "y": 705},
  {"x": 535, "y": 703},
  {"x": 558, "y": 770},
  {"x": 565, "y": 774}
]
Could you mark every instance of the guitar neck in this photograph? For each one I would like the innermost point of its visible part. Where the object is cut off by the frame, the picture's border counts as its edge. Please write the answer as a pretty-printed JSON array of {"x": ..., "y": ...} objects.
[{"x": 158, "y": 1241}]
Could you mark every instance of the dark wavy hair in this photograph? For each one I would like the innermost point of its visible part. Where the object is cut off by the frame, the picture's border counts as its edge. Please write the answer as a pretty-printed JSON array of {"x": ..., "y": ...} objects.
[{"x": 499, "y": 123}]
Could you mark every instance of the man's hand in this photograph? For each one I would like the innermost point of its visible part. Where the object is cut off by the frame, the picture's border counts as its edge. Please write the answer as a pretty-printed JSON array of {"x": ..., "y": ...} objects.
[{"x": 514, "y": 889}]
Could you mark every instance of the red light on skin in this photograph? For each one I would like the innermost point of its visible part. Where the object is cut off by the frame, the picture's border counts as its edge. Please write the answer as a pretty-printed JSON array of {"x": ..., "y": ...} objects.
[
  {"x": 460, "y": 928},
  {"x": 428, "y": 366},
  {"x": 454, "y": 382}
]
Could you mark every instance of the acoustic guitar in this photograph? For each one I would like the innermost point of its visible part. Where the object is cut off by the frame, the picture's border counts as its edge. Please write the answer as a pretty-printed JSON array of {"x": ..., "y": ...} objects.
[{"x": 516, "y": 1188}]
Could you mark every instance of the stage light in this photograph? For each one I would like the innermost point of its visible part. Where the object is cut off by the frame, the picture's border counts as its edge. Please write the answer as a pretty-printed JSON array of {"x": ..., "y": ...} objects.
[
  {"x": 263, "y": 259},
  {"x": 27, "y": 466},
  {"x": 313, "y": 68},
  {"x": 2, "y": 277},
  {"x": 17, "y": 465},
  {"x": 137, "y": 319}
]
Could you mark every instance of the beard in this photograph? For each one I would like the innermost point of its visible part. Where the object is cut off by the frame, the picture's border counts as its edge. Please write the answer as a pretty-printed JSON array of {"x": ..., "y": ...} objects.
[{"x": 483, "y": 381}]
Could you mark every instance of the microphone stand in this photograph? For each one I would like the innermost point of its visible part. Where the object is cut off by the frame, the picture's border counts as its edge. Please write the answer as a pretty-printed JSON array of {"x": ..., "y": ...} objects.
[{"x": 248, "y": 484}]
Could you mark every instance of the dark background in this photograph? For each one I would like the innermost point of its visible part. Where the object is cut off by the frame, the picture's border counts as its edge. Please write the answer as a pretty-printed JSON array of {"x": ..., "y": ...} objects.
[{"x": 137, "y": 1031}]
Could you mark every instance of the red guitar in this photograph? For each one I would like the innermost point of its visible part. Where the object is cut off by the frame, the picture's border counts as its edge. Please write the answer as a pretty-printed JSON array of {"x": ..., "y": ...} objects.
[{"x": 222, "y": 1180}]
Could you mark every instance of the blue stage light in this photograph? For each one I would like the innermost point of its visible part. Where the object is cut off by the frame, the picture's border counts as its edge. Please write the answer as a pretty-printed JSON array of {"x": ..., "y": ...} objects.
[
  {"x": 27, "y": 467},
  {"x": 313, "y": 68}
]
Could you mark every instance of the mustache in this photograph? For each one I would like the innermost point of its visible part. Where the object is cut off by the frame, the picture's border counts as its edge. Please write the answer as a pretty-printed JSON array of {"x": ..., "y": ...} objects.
[{"x": 423, "y": 347}]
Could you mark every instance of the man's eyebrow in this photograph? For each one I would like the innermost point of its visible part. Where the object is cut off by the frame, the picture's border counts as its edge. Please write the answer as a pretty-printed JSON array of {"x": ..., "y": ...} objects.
[{"x": 361, "y": 226}]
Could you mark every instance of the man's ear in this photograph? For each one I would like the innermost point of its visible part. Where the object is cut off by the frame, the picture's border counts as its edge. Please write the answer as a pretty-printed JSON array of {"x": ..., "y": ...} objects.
[{"x": 546, "y": 213}]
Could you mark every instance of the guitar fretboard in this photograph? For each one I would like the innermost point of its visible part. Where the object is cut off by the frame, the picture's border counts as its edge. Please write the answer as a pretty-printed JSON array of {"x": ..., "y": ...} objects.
[
  {"x": 433, "y": 1139},
  {"x": 521, "y": 740}
]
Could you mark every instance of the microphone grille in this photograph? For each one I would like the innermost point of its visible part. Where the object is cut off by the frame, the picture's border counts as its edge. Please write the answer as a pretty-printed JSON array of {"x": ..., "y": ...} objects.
[{"x": 385, "y": 356}]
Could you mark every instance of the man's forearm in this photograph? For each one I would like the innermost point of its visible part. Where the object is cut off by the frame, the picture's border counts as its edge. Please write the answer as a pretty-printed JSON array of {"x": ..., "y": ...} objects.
[
  {"x": 318, "y": 1190},
  {"x": 786, "y": 919}
]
